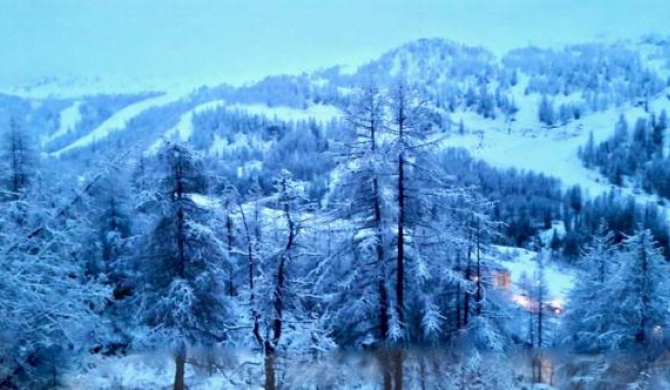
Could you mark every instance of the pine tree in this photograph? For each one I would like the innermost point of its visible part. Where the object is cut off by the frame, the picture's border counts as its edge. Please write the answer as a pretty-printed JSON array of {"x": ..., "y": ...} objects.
[
  {"x": 588, "y": 308},
  {"x": 640, "y": 288},
  {"x": 658, "y": 133},
  {"x": 46, "y": 301},
  {"x": 588, "y": 154},
  {"x": 546, "y": 112},
  {"x": 279, "y": 267},
  {"x": 361, "y": 197},
  {"x": 540, "y": 333},
  {"x": 634, "y": 278},
  {"x": 181, "y": 288},
  {"x": 18, "y": 160},
  {"x": 621, "y": 130}
]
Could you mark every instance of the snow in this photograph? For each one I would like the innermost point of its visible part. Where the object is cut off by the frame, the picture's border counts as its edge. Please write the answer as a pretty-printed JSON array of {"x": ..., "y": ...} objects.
[
  {"x": 156, "y": 371},
  {"x": 204, "y": 201},
  {"x": 523, "y": 261},
  {"x": 240, "y": 140},
  {"x": 120, "y": 120},
  {"x": 184, "y": 127},
  {"x": 218, "y": 146},
  {"x": 69, "y": 118},
  {"x": 525, "y": 144},
  {"x": 547, "y": 235},
  {"x": 80, "y": 86},
  {"x": 318, "y": 112}
]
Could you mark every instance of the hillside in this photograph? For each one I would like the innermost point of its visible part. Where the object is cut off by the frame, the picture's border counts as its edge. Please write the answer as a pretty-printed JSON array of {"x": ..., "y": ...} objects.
[{"x": 437, "y": 198}]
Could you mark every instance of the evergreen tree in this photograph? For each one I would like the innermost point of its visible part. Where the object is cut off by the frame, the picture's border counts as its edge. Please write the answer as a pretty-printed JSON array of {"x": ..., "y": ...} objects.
[
  {"x": 658, "y": 133},
  {"x": 360, "y": 196},
  {"x": 588, "y": 309},
  {"x": 181, "y": 262},
  {"x": 18, "y": 160},
  {"x": 48, "y": 306},
  {"x": 280, "y": 280},
  {"x": 588, "y": 152},
  {"x": 546, "y": 112},
  {"x": 621, "y": 130},
  {"x": 641, "y": 290},
  {"x": 634, "y": 278}
]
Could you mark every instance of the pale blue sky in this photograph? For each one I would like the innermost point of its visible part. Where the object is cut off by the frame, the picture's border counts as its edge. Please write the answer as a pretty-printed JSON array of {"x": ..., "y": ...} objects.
[{"x": 241, "y": 40}]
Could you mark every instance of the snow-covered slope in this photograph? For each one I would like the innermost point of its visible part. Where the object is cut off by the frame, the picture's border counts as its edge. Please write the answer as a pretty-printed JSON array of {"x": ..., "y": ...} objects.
[
  {"x": 184, "y": 127},
  {"x": 524, "y": 144},
  {"x": 69, "y": 118},
  {"x": 454, "y": 75},
  {"x": 318, "y": 112},
  {"x": 524, "y": 263},
  {"x": 119, "y": 120}
]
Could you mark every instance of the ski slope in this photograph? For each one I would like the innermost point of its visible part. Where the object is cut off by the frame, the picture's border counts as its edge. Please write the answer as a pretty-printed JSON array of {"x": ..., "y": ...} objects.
[
  {"x": 120, "y": 120},
  {"x": 69, "y": 118},
  {"x": 184, "y": 127},
  {"x": 523, "y": 144}
]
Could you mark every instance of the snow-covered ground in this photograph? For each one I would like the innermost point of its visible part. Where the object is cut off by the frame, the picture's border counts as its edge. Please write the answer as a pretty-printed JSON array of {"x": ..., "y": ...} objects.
[
  {"x": 120, "y": 120},
  {"x": 523, "y": 144},
  {"x": 156, "y": 371},
  {"x": 184, "y": 127},
  {"x": 317, "y": 112},
  {"x": 69, "y": 118},
  {"x": 524, "y": 263}
]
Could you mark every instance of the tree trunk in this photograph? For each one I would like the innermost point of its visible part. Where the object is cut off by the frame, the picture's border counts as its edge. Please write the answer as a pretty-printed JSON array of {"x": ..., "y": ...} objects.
[
  {"x": 466, "y": 295},
  {"x": 459, "y": 317},
  {"x": 180, "y": 360},
  {"x": 400, "y": 266},
  {"x": 383, "y": 355},
  {"x": 230, "y": 237},
  {"x": 181, "y": 224},
  {"x": 269, "y": 367},
  {"x": 381, "y": 277},
  {"x": 479, "y": 292},
  {"x": 398, "y": 372}
]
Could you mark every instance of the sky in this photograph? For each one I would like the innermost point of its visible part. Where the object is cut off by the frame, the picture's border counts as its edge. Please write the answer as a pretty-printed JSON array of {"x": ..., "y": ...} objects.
[{"x": 239, "y": 41}]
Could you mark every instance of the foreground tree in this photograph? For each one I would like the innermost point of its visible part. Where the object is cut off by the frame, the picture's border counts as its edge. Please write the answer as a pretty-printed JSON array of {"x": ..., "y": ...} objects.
[
  {"x": 641, "y": 290},
  {"x": 362, "y": 261},
  {"x": 634, "y": 277},
  {"x": 586, "y": 320},
  {"x": 181, "y": 264},
  {"x": 393, "y": 194},
  {"x": 48, "y": 306}
]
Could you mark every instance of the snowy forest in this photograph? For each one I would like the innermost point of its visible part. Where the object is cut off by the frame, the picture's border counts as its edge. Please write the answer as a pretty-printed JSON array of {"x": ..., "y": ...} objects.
[{"x": 438, "y": 218}]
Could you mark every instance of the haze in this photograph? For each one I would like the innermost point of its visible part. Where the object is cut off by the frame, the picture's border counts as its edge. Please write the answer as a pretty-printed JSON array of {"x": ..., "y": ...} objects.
[{"x": 241, "y": 41}]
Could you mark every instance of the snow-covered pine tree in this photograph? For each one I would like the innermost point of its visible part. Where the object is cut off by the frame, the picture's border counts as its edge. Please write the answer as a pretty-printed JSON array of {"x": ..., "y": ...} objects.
[
  {"x": 541, "y": 334},
  {"x": 546, "y": 112},
  {"x": 181, "y": 262},
  {"x": 278, "y": 300},
  {"x": 18, "y": 159},
  {"x": 588, "y": 312},
  {"x": 640, "y": 288},
  {"x": 360, "y": 271},
  {"x": 48, "y": 306}
]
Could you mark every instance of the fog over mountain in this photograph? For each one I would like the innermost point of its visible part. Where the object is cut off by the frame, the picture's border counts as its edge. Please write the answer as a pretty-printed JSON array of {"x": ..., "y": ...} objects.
[{"x": 239, "y": 41}]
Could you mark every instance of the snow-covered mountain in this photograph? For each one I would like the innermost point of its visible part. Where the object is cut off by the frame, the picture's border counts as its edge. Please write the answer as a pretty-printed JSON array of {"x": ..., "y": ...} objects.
[
  {"x": 496, "y": 100},
  {"x": 532, "y": 108},
  {"x": 556, "y": 139}
]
